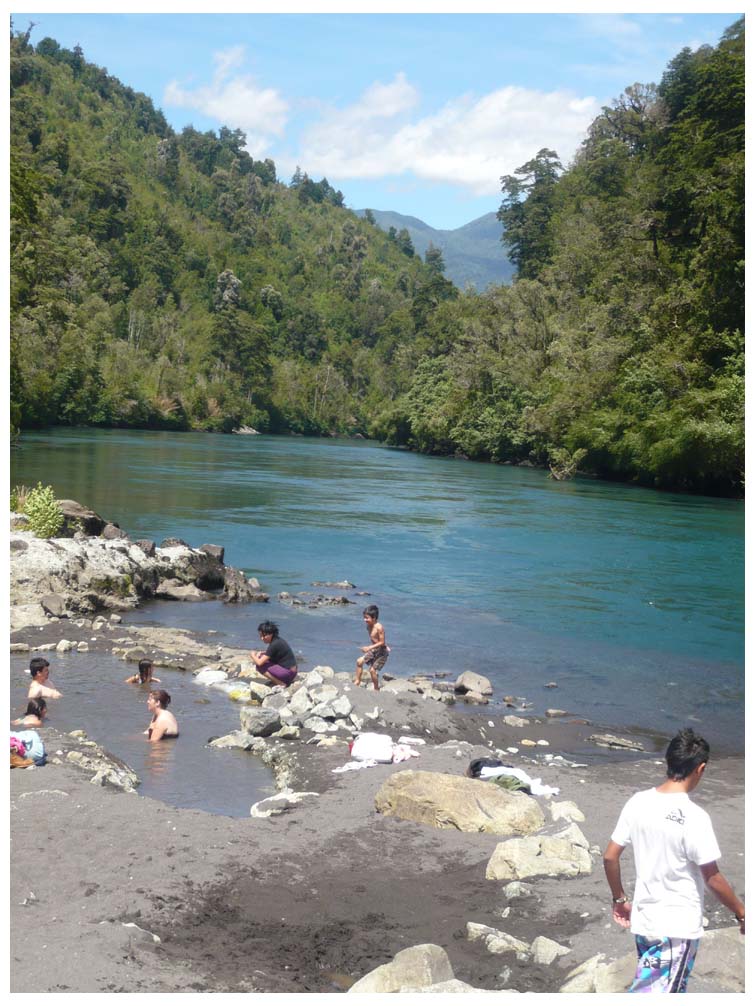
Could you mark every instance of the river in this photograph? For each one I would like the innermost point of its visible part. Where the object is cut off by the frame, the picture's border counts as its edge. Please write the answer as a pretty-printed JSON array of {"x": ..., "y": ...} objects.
[{"x": 631, "y": 600}]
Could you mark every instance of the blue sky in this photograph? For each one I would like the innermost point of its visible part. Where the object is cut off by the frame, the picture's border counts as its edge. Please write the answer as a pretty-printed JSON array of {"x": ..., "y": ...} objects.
[{"x": 418, "y": 113}]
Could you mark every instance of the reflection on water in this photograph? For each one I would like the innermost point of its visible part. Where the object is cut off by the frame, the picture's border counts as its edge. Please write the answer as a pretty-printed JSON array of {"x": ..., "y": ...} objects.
[{"x": 181, "y": 772}]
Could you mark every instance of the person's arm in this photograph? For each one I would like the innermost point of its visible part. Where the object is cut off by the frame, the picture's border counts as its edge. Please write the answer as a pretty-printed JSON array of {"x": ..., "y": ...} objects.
[
  {"x": 158, "y": 729},
  {"x": 611, "y": 865},
  {"x": 49, "y": 693},
  {"x": 722, "y": 889},
  {"x": 131, "y": 680},
  {"x": 260, "y": 658}
]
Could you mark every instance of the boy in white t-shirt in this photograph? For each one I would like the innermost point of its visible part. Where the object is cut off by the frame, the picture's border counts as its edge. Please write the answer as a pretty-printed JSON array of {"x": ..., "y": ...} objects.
[{"x": 675, "y": 853}]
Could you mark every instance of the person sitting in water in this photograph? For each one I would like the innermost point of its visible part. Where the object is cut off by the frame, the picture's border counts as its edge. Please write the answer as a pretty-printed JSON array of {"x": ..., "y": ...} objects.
[
  {"x": 164, "y": 723},
  {"x": 36, "y": 710},
  {"x": 40, "y": 686},
  {"x": 144, "y": 677},
  {"x": 277, "y": 663}
]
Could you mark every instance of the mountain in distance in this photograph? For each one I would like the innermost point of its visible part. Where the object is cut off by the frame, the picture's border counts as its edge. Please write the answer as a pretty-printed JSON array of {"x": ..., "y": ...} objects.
[{"x": 472, "y": 253}]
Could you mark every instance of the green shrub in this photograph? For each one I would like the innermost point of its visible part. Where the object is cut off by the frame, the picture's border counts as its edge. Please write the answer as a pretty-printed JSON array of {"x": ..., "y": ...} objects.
[{"x": 45, "y": 516}]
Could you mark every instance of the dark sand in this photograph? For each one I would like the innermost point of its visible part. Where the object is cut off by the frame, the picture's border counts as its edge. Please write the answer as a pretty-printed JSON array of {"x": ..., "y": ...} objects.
[{"x": 312, "y": 900}]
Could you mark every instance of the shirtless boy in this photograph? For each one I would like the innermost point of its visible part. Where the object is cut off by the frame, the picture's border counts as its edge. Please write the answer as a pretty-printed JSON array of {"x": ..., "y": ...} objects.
[
  {"x": 375, "y": 655},
  {"x": 39, "y": 668}
]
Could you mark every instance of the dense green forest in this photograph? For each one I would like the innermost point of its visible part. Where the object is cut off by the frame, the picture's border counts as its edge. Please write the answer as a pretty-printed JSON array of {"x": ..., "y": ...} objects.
[{"x": 169, "y": 280}]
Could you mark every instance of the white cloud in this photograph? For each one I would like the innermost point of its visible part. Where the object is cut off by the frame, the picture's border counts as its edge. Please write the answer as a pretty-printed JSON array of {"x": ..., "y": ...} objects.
[
  {"x": 235, "y": 101},
  {"x": 470, "y": 141}
]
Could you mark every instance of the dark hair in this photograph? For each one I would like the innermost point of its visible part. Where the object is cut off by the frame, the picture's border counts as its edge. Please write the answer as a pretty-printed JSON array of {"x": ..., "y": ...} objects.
[
  {"x": 162, "y": 697},
  {"x": 144, "y": 669},
  {"x": 685, "y": 752},
  {"x": 372, "y": 610},
  {"x": 35, "y": 707},
  {"x": 268, "y": 629},
  {"x": 37, "y": 664}
]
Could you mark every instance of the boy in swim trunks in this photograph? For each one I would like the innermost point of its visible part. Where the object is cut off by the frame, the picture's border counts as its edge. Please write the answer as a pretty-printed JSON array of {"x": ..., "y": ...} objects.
[
  {"x": 675, "y": 853},
  {"x": 375, "y": 655}
]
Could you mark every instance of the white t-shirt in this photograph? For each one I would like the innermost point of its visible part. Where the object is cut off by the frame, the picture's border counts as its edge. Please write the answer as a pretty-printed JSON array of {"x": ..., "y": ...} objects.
[{"x": 671, "y": 838}]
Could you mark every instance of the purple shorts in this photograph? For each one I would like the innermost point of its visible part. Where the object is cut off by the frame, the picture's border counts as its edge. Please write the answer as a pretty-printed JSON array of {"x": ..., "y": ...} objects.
[{"x": 284, "y": 674}]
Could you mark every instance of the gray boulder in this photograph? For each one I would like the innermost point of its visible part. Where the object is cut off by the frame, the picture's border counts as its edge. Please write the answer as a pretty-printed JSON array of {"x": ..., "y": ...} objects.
[
  {"x": 448, "y": 801},
  {"x": 612, "y": 741},
  {"x": 545, "y": 951},
  {"x": 216, "y": 551},
  {"x": 79, "y": 518},
  {"x": 260, "y": 722},
  {"x": 175, "y": 590},
  {"x": 272, "y": 806},
  {"x": 600, "y": 975},
  {"x": 54, "y": 605},
  {"x": 470, "y": 681},
  {"x": 563, "y": 855},
  {"x": 147, "y": 546},
  {"x": 416, "y": 967},
  {"x": 497, "y": 942}
]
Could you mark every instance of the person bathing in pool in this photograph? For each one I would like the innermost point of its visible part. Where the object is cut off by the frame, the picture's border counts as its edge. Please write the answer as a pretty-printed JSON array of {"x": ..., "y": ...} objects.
[
  {"x": 144, "y": 677},
  {"x": 36, "y": 710},
  {"x": 163, "y": 723}
]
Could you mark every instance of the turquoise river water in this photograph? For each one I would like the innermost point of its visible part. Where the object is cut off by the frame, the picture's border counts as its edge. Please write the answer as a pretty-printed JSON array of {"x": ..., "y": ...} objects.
[{"x": 631, "y": 600}]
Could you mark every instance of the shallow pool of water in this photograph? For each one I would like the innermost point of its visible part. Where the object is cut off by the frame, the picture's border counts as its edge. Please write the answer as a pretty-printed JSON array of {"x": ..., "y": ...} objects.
[{"x": 181, "y": 773}]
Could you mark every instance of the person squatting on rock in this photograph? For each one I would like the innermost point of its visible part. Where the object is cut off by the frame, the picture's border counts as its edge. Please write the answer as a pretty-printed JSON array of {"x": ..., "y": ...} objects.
[
  {"x": 277, "y": 663},
  {"x": 144, "y": 677},
  {"x": 40, "y": 686},
  {"x": 675, "y": 855},
  {"x": 375, "y": 655},
  {"x": 163, "y": 723}
]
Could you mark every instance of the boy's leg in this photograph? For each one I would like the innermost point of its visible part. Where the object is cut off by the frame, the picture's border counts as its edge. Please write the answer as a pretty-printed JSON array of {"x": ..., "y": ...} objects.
[
  {"x": 358, "y": 671},
  {"x": 374, "y": 676},
  {"x": 663, "y": 965}
]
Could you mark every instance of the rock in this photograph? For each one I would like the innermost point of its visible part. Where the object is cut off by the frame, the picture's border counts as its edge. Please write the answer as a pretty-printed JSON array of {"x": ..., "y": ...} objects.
[
  {"x": 552, "y": 714},
  {"x": 54, "y": 605},
  {"x": 275, "y": 700},
  {"x": 19, "y": 647},
  {"x": 473, "y": 698},
  {"x": 415, "y": 967},
  {"x": 290, "y": 732},
  {"x": 721, "y": 959},
  {"x": 64, "y": 646},
  {"x": 447, "y": 801},
  {"x": 342, "y": 707},
  {"x": 318, "y": 725},
  {"x": 271, "y": 806},
  {"x": 563, "y": 855},
  {"x": 527, "y": 743},
  {"x": 216, "y": 551},
  {"x": 399, "y": 685},
  {"x": 515, "y": 721},
  {"x": 566, "y": 810},
  {"x": 173, "y": 542},
  {"x": 611, "y": 741},
  {"x": 111, "y": 532},
  {"x": 517, "y": 890},
  {"x": 115, "y": 618},
  {"x": 82, "y": 647},
  {"x": 79, "y": 518},
  {"x": 175, "y": 590},
  {"x": 545, "y": 951},
  {"x": 260, "y": 722},
  {"x": 237, "y": 589},
  {"x": 18, "y": 522},
  {"x": 23, "y": 616},
  {"x": 339, "y": 584},
  {"x": 257, "y": 691},
  {"x": 106, "y": 767},
  {"x": 324, "y": 693},
  {"x": 237, "y": 739},
  {"x": 210, "y": 676},
  {"x": 146, "y": 545},
  {"x": 301, "y": 703},
  {"x": 497, "y": 942},
  {"x": 469, "y": 681},
  {"x": 599, "y": 975},
  {"x": 550, "y": 684},
  {"x": 326, "y": 673},
  {"x": 453, "y": 985}
]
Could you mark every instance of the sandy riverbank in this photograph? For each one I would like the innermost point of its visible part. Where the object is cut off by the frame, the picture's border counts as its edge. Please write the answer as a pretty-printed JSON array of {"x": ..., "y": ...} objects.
[{"x": 312, "y": 900}]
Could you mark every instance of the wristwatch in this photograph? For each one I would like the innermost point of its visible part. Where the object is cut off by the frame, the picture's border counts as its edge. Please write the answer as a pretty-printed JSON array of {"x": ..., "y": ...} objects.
[{"x": 621, "y": 901}]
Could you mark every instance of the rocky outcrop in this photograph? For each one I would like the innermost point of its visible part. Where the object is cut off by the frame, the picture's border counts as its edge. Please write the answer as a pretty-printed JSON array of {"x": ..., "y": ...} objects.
[
  {"x": 272, "y": 806},
  {"x": 566, "y": 854},
  {"x": 106, "y": 768},
  {"x": 416, "y": 967},
  {"x": 469, "y": 681},
  {"x": 82, "y": 575},
  {"x": 447, "y": 801}
]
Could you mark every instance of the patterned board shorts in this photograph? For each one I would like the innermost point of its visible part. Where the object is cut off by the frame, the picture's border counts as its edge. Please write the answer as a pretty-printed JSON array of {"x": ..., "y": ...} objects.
[
  {"x": 376, "y": 658},
  {"x": 663, "y": 965}
]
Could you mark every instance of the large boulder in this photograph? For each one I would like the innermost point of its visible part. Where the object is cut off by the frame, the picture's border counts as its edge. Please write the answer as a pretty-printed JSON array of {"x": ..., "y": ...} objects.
[
  {"x": 260, "y": 722},
  {"x": 416, "y": 967},
  {"x": 720, "y": 961},
  {"x": 469, "y": 681},
  {"x": 449, "y": 801},
  {"x": 79, "y": 518},
  {"x": 599, "y": 975},
  {"x": 566, "y": 854}
]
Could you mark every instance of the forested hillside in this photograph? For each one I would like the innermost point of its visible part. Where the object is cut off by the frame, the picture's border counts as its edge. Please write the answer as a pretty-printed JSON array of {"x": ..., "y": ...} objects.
[
  {"x": 163, "y": 279},
  {"x": 169, "y": 280},
  {"x": 620, "y": 348}
]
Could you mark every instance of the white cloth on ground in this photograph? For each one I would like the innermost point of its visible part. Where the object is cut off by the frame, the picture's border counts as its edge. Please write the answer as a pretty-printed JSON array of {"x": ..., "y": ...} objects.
[{"x": 536, "y": 786}]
